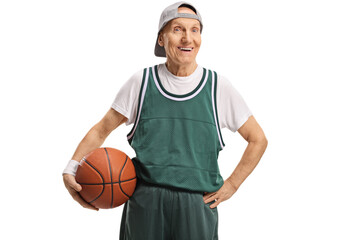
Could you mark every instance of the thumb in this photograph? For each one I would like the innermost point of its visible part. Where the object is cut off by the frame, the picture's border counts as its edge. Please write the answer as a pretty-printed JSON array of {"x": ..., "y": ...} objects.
[
  {"x": 77, "y": 187},
  {"x": 72, "y": 183}
]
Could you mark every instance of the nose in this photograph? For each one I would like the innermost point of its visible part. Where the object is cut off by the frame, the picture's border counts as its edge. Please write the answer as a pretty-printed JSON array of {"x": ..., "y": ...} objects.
[{"x": 186, "y": 38}]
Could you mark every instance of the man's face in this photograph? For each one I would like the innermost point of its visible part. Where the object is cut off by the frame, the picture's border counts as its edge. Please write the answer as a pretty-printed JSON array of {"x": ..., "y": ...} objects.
[{"x": 181, "y": 39}]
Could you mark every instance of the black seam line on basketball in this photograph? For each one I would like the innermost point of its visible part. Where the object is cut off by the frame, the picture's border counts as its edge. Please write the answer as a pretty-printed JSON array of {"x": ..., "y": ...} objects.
[
  {"x": 103, "y": 188},
  {"x": 108, "y": 183},
  {"x": 112, "y": 192},
  {"x": 120, "y": 176}
]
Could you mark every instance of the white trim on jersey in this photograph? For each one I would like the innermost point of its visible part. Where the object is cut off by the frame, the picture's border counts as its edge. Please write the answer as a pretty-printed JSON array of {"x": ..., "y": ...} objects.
[
  {"x": 141, "y": 102},
  {"x": 177, "y": 98},
  {"x": 214, "y": 110}
]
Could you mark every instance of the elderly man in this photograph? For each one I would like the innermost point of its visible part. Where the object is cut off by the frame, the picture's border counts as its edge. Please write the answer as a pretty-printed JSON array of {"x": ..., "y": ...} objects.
[{"x": 177, "y": 110}]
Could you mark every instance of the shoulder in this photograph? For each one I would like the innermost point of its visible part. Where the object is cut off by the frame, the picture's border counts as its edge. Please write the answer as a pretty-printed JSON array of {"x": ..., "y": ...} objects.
[
  {"x": 219, "y": 77},
  {"x": 138, "y": 75},
  {"x": 224, "y": 82},
  {"x": 221, "y": 81},
  {"x": 225, "y": 88},
  {"x": 135, "y": 80}
]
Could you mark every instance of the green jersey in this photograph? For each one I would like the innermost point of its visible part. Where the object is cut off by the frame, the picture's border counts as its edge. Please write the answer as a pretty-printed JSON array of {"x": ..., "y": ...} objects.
[{"x": 177, "y": 138}]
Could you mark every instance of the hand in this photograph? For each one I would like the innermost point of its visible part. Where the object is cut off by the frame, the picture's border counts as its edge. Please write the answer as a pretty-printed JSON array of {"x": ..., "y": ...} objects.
[
  {"x": 74, "y": 188},
  {"x": 223, "y": 194}
]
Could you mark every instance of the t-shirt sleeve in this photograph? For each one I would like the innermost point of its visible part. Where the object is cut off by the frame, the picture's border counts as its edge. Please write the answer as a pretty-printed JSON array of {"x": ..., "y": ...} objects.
[
  {"x": 232, "y": 109},
  {"x": 126, "y": 101}
]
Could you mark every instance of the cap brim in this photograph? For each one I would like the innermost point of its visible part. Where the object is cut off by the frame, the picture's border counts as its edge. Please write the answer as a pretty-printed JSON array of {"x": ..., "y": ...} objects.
[{"x": 159, "y": 51}]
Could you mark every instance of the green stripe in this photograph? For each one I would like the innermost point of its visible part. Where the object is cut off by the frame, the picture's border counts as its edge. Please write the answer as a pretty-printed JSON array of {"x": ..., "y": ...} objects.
[
  {"x": 175, "y": 95},
  {"x": 217, "y": 116}
]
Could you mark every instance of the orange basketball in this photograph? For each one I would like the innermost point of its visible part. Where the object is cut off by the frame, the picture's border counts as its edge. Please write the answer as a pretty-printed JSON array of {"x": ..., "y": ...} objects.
[{"x": 107, "y": 177}]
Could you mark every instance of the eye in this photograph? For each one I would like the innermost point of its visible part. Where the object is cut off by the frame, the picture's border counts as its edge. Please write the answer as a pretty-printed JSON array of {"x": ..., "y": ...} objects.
[
  {"x": 195, "y": 30},
  {"x": 177, "y": 29}
]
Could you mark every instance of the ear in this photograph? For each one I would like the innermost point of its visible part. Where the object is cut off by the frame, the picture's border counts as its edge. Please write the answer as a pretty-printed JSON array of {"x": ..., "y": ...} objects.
[{"x": 161, "y": 39}]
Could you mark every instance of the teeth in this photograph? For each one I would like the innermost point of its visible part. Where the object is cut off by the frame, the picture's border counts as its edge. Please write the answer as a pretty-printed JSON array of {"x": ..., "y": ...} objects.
[{"x": 186, "y": 49}]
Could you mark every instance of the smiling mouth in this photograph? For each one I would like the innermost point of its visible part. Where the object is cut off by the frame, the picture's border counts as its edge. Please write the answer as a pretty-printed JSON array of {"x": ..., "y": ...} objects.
[{"x": 188, "y": 49}]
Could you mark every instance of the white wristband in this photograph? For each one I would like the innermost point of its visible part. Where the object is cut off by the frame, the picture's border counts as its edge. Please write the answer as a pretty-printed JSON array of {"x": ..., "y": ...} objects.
[{"x": 71, "y": 167}]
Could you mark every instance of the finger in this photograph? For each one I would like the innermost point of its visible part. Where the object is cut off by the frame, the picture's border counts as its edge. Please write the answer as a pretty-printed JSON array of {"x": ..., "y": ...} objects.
[
  {"x": 215, "y": 204},
  {"x": 77, "y": 187},
  {"x": 207, "y": 195},
  {"x": 73, "y": 184},
  {"x": 82, "y": 202},
  {"x": 73, "y": 187},
  {"x": 211, "y": 198}
]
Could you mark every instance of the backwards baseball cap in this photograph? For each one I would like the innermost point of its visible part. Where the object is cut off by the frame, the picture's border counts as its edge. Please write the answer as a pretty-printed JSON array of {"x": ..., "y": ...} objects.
[{"x": 170, "y": 13}]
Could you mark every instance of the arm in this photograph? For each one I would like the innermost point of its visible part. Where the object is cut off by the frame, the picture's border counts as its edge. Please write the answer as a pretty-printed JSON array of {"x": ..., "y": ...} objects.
[
  {"x": 93, "y": 139},
  {"x": 98, "y": 133},
  {"x": 257, "y": 143}
]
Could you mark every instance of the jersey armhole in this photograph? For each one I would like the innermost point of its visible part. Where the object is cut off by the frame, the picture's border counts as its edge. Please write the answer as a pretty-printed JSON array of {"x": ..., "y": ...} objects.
[{"x": 140, "y": 102}]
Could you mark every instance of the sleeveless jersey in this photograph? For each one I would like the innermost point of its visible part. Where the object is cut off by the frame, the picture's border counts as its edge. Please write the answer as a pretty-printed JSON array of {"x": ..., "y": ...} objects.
[{"x": 177, "y": 138}]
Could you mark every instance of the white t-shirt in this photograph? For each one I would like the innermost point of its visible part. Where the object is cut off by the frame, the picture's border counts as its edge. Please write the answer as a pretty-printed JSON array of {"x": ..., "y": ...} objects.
[{"x": 232, "y": 109}]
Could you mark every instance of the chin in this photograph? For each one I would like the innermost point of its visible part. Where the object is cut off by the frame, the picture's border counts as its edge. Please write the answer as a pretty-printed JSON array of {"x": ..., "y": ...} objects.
[{"x": 186, "y": 60}]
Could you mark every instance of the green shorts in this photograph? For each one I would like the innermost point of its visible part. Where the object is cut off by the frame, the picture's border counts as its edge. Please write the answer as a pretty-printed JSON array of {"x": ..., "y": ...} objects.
[{"x": 159, "y": 213}]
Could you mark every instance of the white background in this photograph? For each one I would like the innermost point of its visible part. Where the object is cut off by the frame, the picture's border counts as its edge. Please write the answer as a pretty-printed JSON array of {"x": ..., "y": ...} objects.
[{"x": 296, "y": 63}]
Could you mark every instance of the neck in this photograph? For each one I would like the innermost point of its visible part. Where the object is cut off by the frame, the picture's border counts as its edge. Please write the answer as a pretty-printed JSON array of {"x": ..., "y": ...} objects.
[{"x": 181, "y": 70}]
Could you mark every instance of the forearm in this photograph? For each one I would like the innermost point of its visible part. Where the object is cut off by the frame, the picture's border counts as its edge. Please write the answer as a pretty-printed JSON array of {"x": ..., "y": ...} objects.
[
  {"x": 248, "y": 162},
  {"x": 92, "y": 140}
]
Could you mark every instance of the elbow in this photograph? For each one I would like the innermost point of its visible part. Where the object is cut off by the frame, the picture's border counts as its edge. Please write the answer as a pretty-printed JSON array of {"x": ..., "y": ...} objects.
[
  {"x": 261, "y": 141},
  {"x": 264, "y": 142}
]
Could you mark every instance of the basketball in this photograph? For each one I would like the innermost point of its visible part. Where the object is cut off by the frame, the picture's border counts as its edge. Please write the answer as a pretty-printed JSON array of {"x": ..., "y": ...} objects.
[{"x": 107, "y": 177}]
